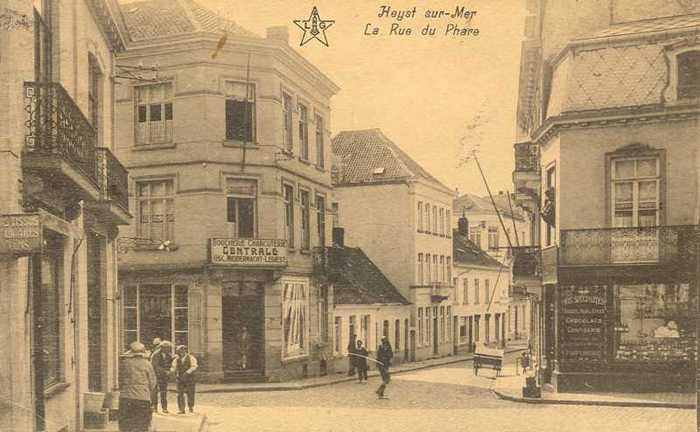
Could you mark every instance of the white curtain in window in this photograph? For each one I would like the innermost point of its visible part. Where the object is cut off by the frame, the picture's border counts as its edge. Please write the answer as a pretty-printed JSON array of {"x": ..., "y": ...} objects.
[{"x": 294, "y": 317}]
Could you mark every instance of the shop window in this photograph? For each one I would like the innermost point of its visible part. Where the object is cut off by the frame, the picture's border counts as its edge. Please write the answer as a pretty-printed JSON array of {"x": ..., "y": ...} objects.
[
  {"x": 155, "y": 209},
  {"x": 338, "y": 325},
  {"x": 289, "y": 214},
  {"x": 154, "y": 114},
  {"x": 157, "y": 311},
  {"x": 688, "y": 74},
  {"x": 655, "y": 323},
  {"x": 241, "y": 207},
  {"x": 303, "y": 132},
  {"x": 130, "y": 319},
  {"x": 487, "y": 325},
  {"x": 320, "y": 143},
  {"x": 463, "y": 329},
  {"x": 477, "y": 326},
  {"x": 288, "y": 122},
  {"x": 240, "y": 111},
  {"x": 295, "y": 307},
  {"x": 50, "y": 315},
  {"x": 305, "y": 219}
]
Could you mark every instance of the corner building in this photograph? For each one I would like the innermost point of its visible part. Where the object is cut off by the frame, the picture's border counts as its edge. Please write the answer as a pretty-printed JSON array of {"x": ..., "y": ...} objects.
[
  {"x": 610, "y": 94},
  {"x": 228, "y": 146}
]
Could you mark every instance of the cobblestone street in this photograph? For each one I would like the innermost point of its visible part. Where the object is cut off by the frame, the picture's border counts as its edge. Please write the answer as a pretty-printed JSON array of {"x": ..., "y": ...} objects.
[{"x": 448, "y": 398}]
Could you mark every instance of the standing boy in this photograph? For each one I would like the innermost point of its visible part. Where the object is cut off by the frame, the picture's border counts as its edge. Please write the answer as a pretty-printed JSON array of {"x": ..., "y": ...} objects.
[{"x": 384, "y": 356}]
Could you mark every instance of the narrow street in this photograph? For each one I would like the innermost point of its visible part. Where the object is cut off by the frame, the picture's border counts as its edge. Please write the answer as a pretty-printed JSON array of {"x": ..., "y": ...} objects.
[{"x": 447, "y": 398}]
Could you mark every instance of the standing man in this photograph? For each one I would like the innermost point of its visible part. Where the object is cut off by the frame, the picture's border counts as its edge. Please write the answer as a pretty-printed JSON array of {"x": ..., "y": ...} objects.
[
  {"x": 154, "y": 347},
  {"x": 161, "y": 360},
  {"x": 137, "y": 381},
  {"x": 184, "y": 366},
  {"x": 384, "y": 356},
  {"x": 352, "y": 347},
  {"x": 361, "y": 362}
]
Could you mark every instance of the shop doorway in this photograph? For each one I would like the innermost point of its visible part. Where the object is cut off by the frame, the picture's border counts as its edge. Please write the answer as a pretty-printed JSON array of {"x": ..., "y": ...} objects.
[{"x": 243, "y": 318}]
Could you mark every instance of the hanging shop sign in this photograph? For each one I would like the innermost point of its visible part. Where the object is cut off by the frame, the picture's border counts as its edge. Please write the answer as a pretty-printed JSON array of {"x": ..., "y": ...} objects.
[
  {"x": 248, "y": 252},
  {"x": 20, "y": 234}
]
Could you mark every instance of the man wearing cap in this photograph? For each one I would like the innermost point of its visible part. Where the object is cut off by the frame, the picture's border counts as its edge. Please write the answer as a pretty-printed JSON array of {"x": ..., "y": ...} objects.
[
  {"x": 184, "y": 366},
  {"x": 161, "y": 360},
  {"x": 137, "y": 381},
  {"x": 384, "y": 356}
]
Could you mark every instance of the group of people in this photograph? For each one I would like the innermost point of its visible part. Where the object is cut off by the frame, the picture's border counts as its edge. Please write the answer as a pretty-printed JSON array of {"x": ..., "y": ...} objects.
[
  {"x": 144, "y": 376},
  {"x": 358, "y": 356}
]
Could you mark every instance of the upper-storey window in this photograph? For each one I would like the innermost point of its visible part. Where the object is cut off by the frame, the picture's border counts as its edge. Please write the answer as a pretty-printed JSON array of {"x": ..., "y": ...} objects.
[
  {"x": 241, "y": 196},
  {"x": 240, "y": 111},
  {"x": 419, "y": 220},
  {"x": 156, "y": 215},
  {"x": 289, "y": 213},
  {"x": 94, "y": 96},
  {"x": 493, "y": 238},
  {"x": 287, "y": 112},
  {"x": 635, "y": 191},
  {"x": 305, "y": 203},
  {"x": 320, "y": 143},
  {"x": 154, "y": 114},
  {"x": 303, "y": 132},
  {"x": 688, "y": 74}
]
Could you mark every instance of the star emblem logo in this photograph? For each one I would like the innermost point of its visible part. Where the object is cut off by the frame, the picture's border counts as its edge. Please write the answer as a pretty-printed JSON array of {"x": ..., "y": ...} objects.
[{"x": 314, "y": 28}]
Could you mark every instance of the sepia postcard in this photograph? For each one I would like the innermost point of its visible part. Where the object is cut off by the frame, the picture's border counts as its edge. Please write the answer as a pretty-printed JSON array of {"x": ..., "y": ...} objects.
[{"x": 366, "y": 215}]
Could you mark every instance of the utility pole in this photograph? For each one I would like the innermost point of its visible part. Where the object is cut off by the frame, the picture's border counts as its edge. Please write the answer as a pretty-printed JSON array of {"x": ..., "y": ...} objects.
[{"x": 488, "y": 189}]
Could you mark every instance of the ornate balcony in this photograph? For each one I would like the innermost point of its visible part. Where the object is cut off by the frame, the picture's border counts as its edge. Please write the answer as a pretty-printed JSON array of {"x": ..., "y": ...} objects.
[
  {"x": 526, "y": 262},
  {"x": 674, "y": 246},
  {"x": 60, "y": 142},
  {"x": 114, "y": 187}
]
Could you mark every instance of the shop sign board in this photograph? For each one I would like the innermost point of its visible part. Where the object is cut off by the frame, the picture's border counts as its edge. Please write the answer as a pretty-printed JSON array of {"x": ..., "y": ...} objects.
[
  {"x": 583, "y": 314},
  {"x": 20, "y": 234},
  {"x": 248, "y": 252}
]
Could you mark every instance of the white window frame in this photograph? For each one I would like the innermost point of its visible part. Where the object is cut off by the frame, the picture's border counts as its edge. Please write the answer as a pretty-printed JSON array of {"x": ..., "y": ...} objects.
[
  {"x": 168, "y": 224},
  {"x": 635, "y": 180},
  {"x": 234, "y": 227},
  {"x": 148, "y": 135}
]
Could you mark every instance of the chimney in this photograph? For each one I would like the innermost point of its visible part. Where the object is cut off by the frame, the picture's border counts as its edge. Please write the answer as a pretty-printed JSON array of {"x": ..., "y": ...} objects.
[
  {"x": 278, "y": 33},
  {"x": 463, "y": 226},
  {"x": 338, "y": 237}
]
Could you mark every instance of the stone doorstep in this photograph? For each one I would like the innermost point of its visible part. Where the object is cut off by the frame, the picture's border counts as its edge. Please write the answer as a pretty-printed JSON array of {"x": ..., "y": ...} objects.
[
  {"x": 504, "y": 389},
  {"x": 330, "y": 380},
  {"x": 167, "y": 423}
]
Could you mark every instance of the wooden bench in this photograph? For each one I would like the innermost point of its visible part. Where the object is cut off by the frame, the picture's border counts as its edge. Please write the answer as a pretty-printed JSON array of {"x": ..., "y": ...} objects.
[{"x": 485, "y": 357}]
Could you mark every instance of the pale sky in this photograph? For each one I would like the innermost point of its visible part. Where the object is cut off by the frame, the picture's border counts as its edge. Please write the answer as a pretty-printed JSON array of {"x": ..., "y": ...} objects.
[{"x": 421, "y": 91}]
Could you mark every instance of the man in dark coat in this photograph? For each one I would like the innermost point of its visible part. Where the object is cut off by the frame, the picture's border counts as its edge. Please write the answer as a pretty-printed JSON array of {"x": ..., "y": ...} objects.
[
  {"x": 352, "y": 347},
  {"x": 137, "y": 381},
  {"x": 384, "y": 356},
  {"x": 161, "y": 360},
  {"x": 184, "y": 366},
  {"x": 361, "y": 362}
]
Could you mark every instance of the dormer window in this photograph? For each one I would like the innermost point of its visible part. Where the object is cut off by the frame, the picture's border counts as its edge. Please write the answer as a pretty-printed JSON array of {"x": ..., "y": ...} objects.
[
  {"x": 379, "y": 171},
  {"x": 688, "y": 75}
]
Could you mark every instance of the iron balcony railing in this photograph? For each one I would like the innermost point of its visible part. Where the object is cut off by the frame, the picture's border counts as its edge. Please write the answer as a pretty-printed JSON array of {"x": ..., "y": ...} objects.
[
  {"x": 668, "y": 245},
  {"x": 526, "y": 261},
  {"x": 114, "y": 179},
  {"x": 527, "y": 157},
  {"x": 56, "y": 127}
]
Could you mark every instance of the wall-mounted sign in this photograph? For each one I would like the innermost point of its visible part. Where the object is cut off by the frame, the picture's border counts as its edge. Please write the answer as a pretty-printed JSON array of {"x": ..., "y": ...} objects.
[
  {"x": 20, "y": 234},
  {"x": 248, "y": 252}
]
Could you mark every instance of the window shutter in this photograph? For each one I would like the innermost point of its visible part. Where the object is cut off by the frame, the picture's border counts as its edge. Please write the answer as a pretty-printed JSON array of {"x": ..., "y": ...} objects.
[
  {"x": 195, "y": 320},
  {"x": 230, "y": 119}
]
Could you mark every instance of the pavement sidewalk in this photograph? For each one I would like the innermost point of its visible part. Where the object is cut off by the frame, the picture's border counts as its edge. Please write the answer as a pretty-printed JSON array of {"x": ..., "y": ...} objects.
[
  {"x": 509, "y": 387},
  {"x": 332, "y": 379}
]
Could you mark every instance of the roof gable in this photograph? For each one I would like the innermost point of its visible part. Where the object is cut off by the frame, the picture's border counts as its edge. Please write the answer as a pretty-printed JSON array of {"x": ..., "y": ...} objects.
[
  {"x": 360, "y": 281},
  {"x": 464, "y": 251}
]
